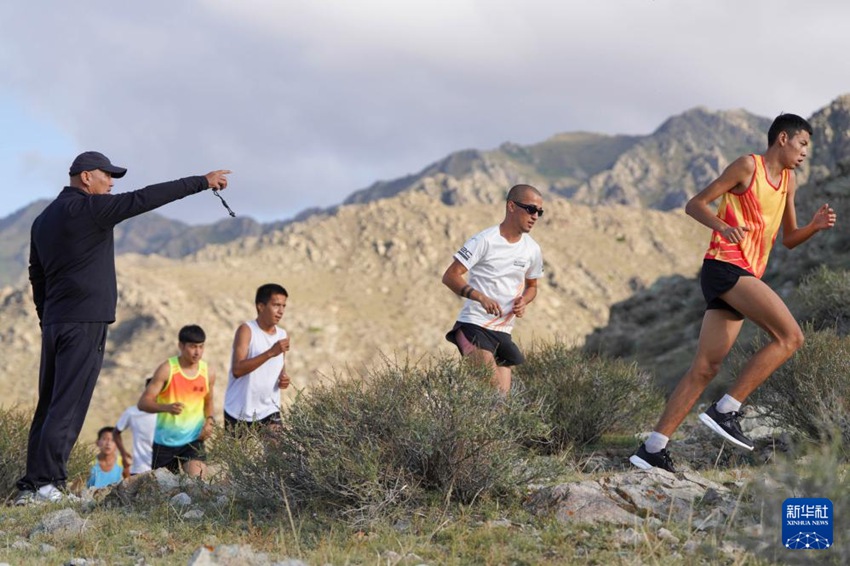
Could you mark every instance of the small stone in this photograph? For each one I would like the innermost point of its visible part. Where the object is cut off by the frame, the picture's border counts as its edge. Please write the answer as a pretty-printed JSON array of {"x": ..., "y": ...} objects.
[
  {"x": 166, "y": 480},
  {"x": 667, "y": 535},
  {"x": 64, "y": 523},
  {"x": 181, "y": 500},
  {"x": 711, "y": 497}
]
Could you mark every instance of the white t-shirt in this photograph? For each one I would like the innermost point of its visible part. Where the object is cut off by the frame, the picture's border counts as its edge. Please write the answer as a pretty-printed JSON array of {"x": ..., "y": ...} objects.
[
  {"x": 498, "y": 269},
  {"x": 142, "y": 425},
  {"x": 256, "y": 395}
]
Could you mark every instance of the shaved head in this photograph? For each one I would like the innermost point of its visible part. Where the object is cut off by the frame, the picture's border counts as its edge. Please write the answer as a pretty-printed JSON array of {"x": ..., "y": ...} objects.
[{"x": 519, "y": 192}]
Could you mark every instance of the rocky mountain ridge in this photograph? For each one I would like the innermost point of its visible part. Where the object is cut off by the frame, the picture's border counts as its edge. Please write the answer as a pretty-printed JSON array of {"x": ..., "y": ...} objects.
[
  {"x": 659, "y": 170},
  {"x": 364, "y": 277},
  {"x": 147, "y": 234}
]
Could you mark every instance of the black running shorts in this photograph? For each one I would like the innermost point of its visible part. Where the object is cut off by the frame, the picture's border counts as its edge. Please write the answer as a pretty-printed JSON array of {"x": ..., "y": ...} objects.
[
  {"x": 717, "y": 277},
  {"x": 234, "y": 425},
  {"x": 499, "y": 344},
  {"x": 171, "y": 457}
]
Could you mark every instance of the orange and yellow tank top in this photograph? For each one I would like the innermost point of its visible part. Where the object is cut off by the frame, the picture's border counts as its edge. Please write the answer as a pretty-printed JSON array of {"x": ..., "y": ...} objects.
[
  {"x": 760, "y": 208},
  {"x": 179, "y": 430}
]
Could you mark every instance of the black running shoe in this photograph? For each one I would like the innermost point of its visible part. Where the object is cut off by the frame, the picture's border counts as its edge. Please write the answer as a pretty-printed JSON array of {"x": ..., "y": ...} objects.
[
  {"x": 646, "y": 460},
  {"x": 727, "y": 426}
]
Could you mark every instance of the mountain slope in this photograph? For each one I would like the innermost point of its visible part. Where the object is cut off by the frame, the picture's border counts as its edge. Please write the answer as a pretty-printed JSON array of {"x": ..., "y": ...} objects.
[
  {"x": 149, "y": 233},
  {"x": 362, "y": 281},
  {"x": 660, "y": 170},
  {"x": 561, "y": 162},
  {"x": 663, "y": 170}
]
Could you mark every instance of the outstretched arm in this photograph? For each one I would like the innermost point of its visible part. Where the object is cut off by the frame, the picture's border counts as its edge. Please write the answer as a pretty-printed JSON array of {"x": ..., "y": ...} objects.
[
  {"x": 792, "y": 236},
  {"x": 109, "y": 209}
]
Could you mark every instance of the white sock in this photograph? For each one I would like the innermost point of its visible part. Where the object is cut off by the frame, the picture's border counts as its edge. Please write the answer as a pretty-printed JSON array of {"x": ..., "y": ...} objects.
[
  {"x": 728, "y": 404},
  {"x": 656, "y": 442}
]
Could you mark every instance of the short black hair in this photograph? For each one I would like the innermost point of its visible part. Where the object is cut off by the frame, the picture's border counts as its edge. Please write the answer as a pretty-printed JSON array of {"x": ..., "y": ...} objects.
[
  {"x": 518, "y": 191},
  {"x": 788, "y": 123},
  {"x": 191, "y": 334},
  {"x": 110, "y": 429},
  {"x": 265, "y": 292}
]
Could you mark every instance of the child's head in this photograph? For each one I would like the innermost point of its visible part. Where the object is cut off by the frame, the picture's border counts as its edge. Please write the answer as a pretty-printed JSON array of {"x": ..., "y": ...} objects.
[
  {"x": 190, "y": 342},
  {"x": 270, "y": 302},
  {"x": 790, "y": 124},
  {"x": 105, "y": 440}
]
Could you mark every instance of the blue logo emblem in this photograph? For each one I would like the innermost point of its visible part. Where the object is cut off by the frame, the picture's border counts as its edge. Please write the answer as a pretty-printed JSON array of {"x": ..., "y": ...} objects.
[{"x": 807, "y": 523}]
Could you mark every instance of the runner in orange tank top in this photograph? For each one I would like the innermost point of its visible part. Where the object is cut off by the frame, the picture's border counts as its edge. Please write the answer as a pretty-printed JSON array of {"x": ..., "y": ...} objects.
[{"x": 756, "y": 195}]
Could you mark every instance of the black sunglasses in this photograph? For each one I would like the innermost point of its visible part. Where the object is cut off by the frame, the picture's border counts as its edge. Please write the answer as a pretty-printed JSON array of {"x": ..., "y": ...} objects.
[{"x": 529, "y": 208}]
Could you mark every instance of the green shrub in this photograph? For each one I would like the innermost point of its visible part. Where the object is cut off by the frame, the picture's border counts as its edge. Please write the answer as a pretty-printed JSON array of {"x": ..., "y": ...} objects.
[
  {"x": 811, "y": 391},
  {"x": 394, "y": 435},
  {"x": 824, "y": 299},
  {"x": 14, "y": 432},
  {"x": 586, "y": 396}
]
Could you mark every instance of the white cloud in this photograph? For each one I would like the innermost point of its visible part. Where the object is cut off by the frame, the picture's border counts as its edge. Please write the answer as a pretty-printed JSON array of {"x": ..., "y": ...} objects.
[{"x": 309, "y": 101}]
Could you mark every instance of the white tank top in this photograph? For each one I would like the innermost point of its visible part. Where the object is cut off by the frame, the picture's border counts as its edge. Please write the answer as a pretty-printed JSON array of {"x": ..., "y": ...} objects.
[{"x": 256, "y": 395}]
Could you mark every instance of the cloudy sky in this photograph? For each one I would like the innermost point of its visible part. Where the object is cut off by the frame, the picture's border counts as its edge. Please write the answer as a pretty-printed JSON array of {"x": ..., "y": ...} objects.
[{"x": 307, "y": 101}]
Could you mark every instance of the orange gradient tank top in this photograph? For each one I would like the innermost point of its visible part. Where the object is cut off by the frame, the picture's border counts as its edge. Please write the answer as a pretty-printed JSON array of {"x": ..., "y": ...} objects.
[
  {"x": 179, "y": 430},
  {"x": 759, "y": 208}
]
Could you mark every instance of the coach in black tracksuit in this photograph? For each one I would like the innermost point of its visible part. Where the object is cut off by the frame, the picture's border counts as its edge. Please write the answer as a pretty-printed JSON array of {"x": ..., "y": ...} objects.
[{"x": 72, "y": 272}]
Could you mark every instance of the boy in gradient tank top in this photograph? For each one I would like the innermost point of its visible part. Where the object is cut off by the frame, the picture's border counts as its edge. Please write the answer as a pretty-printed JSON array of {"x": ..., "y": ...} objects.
[
  {"x": 181, "y": 394},
  {"x": 756, "y": 195}
]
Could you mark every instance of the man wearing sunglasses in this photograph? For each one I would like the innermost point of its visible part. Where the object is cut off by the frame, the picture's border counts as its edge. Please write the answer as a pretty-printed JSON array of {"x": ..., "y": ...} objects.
[{"x": 503, "y": 264}]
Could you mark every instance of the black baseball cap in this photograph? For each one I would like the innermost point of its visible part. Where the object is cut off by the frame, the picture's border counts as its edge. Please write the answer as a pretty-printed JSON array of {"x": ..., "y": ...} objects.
[{"x": 91, "y": 160}]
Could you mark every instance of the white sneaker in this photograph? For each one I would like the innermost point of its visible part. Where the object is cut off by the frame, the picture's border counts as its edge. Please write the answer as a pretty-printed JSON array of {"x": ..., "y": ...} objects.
[{"x": 49, "y": 494}]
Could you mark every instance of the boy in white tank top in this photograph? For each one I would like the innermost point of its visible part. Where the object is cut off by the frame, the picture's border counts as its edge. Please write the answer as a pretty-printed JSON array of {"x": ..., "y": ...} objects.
[{"x": 258, "y": 365}]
